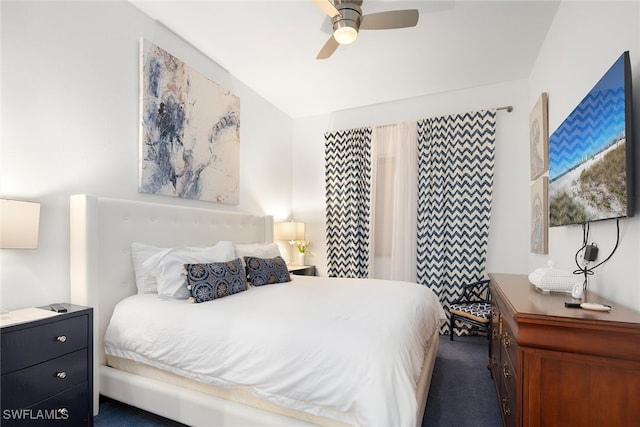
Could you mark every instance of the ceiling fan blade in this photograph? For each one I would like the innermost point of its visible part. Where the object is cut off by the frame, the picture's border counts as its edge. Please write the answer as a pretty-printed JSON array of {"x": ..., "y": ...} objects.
[
  {"x": 327, "y": 50},
  {"x": 327, "y": 7},
  {"x": 390, "y": 20}
]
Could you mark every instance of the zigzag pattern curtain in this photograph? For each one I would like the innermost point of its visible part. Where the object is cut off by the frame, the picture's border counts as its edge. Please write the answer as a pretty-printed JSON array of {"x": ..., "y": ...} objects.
[
  {"x": 348, "y": 196},
  {"x": 455, "y": 181}
]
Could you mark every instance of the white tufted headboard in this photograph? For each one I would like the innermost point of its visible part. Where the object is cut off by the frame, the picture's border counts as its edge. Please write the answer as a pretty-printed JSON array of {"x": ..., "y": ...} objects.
[{"x": 102, "y": 230}]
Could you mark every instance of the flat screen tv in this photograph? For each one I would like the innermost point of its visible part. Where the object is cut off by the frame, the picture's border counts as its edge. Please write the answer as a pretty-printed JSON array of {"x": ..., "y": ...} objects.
[{"x": 590, "y": 154}]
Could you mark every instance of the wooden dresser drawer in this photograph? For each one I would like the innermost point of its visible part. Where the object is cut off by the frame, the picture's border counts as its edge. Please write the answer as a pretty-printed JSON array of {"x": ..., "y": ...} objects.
[
  {"x": 508, "y": 408},
  {"x": 509, "y": 344},
  {"x": 509, "y": 381},
  {"x": 30, "y": 346},
  {"x": 25, "y": 387}
]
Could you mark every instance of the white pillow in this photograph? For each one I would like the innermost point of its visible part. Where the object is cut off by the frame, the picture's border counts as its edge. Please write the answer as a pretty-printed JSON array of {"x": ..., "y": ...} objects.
[
  {"x": 167, "y": 265},
  {"x": 260, "y": 250},
  {"x": 141, "y": 252}
]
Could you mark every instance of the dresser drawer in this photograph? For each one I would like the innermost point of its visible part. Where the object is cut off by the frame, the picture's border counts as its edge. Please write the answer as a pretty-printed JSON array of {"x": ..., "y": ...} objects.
[
  {"x": 509, "y": 379},
  {"x": 509, "y": 344},
  {"x": 30, "y": 346},
  {"x": 27, "y": 386},
  {"x": 508, "y": 409},
  {"x": 69, "y": 408}
]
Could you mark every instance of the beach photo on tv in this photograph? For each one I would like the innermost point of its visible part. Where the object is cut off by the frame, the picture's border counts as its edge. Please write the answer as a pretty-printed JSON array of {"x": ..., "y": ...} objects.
[{"x": 588, "y": 156}]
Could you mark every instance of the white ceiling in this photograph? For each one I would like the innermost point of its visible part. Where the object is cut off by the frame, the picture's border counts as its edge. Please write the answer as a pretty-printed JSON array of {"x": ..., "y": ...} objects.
[{"x": 271, "y": 47}]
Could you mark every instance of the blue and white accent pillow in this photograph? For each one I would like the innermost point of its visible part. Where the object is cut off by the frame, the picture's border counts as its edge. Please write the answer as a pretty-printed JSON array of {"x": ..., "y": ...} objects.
[
  {"x": 207, "y": 282},
  {"x": 266, "y": 271}
]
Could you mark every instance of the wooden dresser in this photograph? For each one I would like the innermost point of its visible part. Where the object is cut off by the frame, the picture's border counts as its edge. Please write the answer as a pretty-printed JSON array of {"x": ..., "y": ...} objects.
[{"x": 557, "y": 366}]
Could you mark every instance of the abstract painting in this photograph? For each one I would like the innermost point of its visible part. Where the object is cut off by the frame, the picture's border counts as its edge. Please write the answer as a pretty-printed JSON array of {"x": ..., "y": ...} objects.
[
  {"x": 539, "y": 216},
  {"x": 190, "y": 131},
  {"x": 539, "y": 137}
]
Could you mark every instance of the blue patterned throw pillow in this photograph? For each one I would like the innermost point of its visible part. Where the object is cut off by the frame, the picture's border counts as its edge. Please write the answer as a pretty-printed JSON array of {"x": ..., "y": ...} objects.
[
  {"x": 207, "y": 282},
  {"x": 265, "y": 271}
]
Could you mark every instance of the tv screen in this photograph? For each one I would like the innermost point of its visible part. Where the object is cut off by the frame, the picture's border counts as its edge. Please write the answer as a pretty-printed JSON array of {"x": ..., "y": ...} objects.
[{"x": 590, "y": 157}]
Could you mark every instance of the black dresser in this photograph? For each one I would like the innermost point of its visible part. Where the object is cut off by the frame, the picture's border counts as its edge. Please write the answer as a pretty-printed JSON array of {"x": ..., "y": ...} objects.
[{"x": 47, "y": 369}]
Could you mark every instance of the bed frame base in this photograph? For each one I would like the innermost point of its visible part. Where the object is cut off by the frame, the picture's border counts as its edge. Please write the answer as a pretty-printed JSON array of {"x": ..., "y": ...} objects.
[{"x": 182, "y": 404}]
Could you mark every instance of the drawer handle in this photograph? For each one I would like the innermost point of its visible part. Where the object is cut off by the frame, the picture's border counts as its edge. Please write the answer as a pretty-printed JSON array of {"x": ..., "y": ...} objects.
[
  {"x": 506, "y": 372},
  {"x": 505, "y": 407},
  {"x": 61, "y": 338},
  {"x": 62, "y": 375},
  {"x": 506, "y": 341}
]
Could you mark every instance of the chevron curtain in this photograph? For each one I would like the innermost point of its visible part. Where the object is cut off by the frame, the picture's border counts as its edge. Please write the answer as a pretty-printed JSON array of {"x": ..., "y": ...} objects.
[
  {"x": 455, "y": 181},
  {"x": 348, "y": 201}
]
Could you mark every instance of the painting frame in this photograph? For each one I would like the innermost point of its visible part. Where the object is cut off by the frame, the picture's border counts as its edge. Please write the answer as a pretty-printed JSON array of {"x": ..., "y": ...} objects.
[
  {"x": 539, "y": 137},
  {"x": 189, "y": 144},
  {"x": 539, "y": 216}
]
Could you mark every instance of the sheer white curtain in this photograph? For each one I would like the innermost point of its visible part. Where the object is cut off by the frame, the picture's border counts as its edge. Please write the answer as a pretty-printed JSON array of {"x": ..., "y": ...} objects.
[{"x": 394, "y": 201}]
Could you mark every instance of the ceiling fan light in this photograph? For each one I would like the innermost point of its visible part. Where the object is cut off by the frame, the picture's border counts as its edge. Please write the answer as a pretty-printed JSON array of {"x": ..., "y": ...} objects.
[{"x": 345, "y": 35}]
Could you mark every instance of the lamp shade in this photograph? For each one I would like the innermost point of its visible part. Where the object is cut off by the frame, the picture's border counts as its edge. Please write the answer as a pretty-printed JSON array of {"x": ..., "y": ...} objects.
[
  {"x": 290, "y": 230},
  {"x": 19, "y": 224}
]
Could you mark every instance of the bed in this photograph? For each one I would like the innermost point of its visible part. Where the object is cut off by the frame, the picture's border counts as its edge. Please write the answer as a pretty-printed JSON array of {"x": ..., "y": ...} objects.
[{"x": 102, "y": 231}]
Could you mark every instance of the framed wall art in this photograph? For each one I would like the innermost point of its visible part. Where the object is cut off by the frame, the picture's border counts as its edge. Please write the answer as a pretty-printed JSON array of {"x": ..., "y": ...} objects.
[
  {"x": 539, "y": 216},
  {"x": 189, "y": 133},
  {"x": 539, "y": 137}
]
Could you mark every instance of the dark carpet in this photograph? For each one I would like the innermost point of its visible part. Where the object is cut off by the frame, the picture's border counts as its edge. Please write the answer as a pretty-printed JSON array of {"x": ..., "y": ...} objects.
[
  {"x": 462, "y": 393},
  {"x": 116, "y": 414}
]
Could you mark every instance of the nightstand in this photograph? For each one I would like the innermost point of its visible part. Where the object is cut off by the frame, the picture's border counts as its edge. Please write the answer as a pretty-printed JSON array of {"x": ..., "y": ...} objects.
[
  {"x": 303, "y": 270},
  {"x": 47, "y": 367}
]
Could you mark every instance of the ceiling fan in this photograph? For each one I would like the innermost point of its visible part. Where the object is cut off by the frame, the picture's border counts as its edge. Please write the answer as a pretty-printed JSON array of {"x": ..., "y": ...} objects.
[{"x": 347, "y": 20}]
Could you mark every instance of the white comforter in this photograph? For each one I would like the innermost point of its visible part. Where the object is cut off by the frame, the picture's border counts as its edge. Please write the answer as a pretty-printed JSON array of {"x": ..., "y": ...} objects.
[{"x": 347, "y": 349}]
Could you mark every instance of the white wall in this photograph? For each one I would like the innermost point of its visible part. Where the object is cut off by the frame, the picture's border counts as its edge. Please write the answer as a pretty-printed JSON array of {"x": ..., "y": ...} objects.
[
  {"x": 70, "y": 91},
  {"x": 583, "y": 42},
  {"x": 509, "y": 233}
]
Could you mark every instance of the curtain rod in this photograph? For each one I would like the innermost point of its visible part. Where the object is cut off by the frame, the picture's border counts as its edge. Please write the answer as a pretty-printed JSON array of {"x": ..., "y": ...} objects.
[{"x": 509, "y": 108}]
